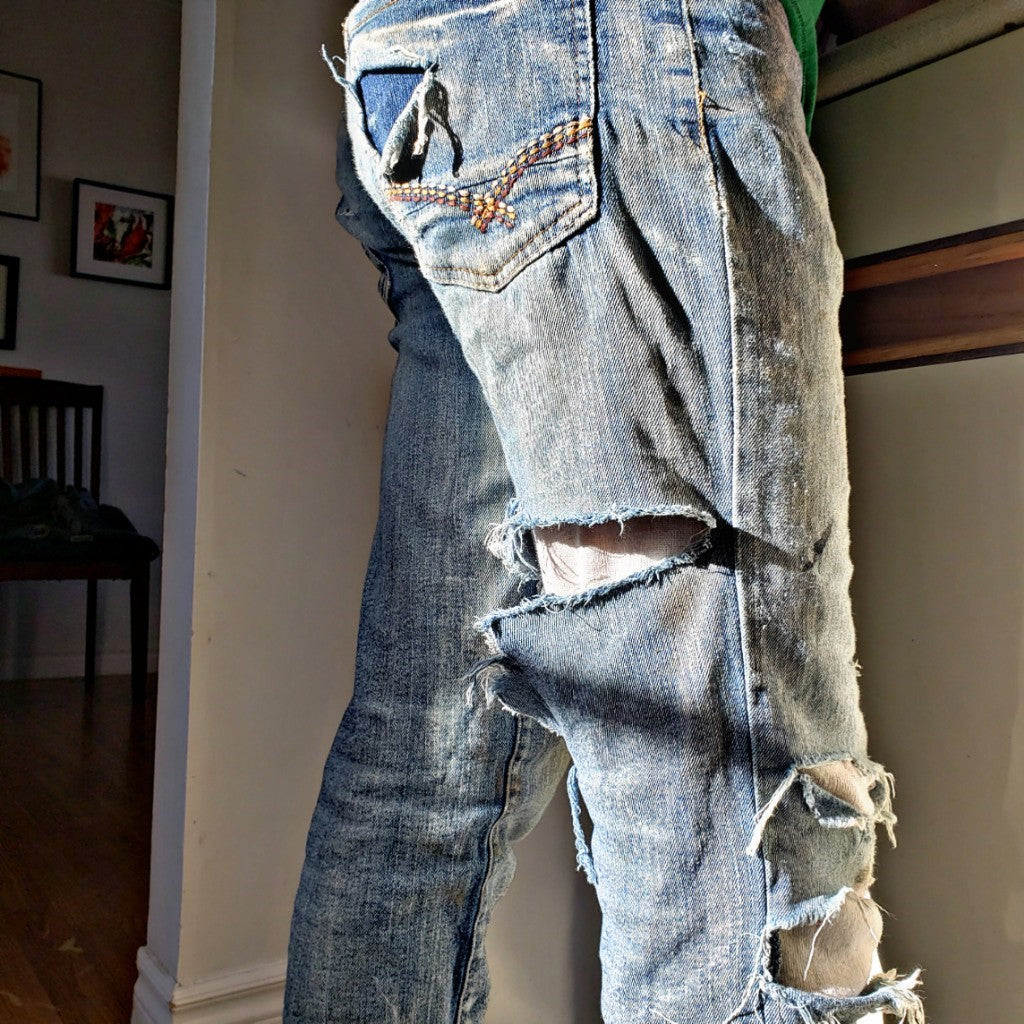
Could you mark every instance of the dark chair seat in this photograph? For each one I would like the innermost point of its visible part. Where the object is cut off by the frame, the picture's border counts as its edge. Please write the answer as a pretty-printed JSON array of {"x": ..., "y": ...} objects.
[
  {"x": 51, "y": 526},
  {"x": 128, "y": 548},
  {"x": 40, "y": 522}
]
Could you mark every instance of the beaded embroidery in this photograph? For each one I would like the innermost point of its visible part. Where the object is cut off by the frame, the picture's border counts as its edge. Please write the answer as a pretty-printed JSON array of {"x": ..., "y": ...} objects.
[{"x": 484, "y": 207}]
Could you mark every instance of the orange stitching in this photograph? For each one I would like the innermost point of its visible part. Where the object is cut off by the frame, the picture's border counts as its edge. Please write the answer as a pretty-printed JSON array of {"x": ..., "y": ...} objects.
[
  {"x": 484, "y": 207},
  {"x": 446, "y": 268}
]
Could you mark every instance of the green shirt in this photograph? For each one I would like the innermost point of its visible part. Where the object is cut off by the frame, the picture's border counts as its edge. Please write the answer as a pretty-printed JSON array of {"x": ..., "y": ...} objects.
[{"x": 803, "y": 16}]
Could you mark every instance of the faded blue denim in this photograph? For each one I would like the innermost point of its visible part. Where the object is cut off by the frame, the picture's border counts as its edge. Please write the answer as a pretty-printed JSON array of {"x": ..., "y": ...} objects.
[{"x": 606, "y": 243}]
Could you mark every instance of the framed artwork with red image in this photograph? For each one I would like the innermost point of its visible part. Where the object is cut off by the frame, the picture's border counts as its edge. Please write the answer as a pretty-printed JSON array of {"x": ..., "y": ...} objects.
[
  {"x": 20, "y": 132},
  {"x": 121, "y": 234}
]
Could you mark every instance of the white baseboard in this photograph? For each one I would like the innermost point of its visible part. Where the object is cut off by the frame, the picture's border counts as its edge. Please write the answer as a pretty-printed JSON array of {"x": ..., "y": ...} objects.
[
  {"x": 65, "y": 666},
  {"x": 253, "y": 995}
]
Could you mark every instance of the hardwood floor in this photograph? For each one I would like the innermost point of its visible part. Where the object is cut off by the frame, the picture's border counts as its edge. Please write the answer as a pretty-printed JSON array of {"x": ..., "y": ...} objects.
[{"x": 76, "y": 784}]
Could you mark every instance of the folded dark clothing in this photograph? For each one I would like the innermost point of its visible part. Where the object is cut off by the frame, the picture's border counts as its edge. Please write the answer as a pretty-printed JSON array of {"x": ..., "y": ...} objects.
[{"x": 39, "y": 520}]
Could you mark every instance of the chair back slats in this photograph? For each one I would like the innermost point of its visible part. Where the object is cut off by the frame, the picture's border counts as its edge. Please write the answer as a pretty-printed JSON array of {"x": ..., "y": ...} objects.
[
  {"x": 6, "y": 443},
  {"x": 62, "y": 443},
  {"x": 42, "y": 452},
  {"x": 94, "y": 454},
  {"x": 78, "y": 445},
  {"x": 34, "y": 431},
  {"x": 25, "y": 438}
]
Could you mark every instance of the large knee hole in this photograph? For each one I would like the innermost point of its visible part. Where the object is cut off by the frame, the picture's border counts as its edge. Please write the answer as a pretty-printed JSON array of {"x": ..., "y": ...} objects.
[
  {"x": 838, "y": 956},
  {"x": 572, "y": 558}
]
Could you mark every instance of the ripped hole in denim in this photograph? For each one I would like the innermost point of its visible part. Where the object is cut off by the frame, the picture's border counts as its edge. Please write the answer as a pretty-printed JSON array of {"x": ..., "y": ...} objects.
[
  {"x": 820, "y": 954},
  {"x": 835, "y": 956},
  {"x": 573, "y": 557},
  {"x": 385, "y": 93}
]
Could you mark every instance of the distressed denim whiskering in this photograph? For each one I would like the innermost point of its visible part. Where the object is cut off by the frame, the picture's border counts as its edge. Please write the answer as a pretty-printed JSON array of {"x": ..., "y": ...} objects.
[{"x": 606, "y": 243}]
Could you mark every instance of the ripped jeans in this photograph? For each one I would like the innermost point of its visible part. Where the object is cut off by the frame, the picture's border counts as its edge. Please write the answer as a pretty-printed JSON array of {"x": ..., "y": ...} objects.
[{"x": 606, "y": 244}]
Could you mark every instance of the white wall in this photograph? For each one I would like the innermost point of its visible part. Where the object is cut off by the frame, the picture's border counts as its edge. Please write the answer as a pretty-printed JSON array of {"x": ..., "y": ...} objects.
[
  {"x": 110, "y": 91},
  {"x": 930, "y": 153},
  {"x": 295, "y": 378},
  {"x": 937, "y": 475}
]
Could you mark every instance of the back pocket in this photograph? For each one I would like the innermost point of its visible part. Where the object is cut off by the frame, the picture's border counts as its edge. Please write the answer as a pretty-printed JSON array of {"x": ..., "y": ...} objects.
[{"x": 473, "y": 128}]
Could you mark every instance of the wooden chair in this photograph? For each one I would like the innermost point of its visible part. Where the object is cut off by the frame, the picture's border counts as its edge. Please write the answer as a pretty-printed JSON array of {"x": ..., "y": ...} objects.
[{"x": 53, "y": 429}]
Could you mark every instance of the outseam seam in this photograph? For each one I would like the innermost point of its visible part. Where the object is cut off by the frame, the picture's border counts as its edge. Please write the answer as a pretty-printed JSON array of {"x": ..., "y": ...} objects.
[
  {"x": 740, "y": 564},
  {"x": 489, "y": 869}
]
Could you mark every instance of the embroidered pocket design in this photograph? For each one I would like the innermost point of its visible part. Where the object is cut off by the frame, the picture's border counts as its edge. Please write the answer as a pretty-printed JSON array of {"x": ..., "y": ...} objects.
[{"x": 488, "y": 206}]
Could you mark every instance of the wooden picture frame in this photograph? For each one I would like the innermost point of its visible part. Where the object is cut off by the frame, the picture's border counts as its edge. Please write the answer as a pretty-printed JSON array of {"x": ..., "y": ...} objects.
[
  {"x": 9, "y": 272},
  {"x": 121, "y": 234},
  {"x": 21, "y": 104},
  {"x": 959, "y": 297}
]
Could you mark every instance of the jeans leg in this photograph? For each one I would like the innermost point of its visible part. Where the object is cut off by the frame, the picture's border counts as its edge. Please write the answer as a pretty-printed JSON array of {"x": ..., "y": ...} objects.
[
  {"x": 425, "y": 787},
  {"x": 619, "y": 212}
]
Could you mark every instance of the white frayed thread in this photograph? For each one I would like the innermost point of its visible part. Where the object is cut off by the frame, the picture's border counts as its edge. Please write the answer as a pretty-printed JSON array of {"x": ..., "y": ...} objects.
[
  {"x": 844, "y": 893},
  {"x": 757, "y": 979},
  {"x": 495, "y": 541},
  {"x": 867, "y": 901},
  {"x": 905, "y": 1001},
  {"x": 769, "y": 809},
  {"x": 509, "y": 544},
  {"x": 494, "y": 698},
  {"x": 483, "y": 674},
  {"x": 332, "y": 63},
  {"x": 424, "y": 120},
  {"x": 658, "y": 1013},
  {"x": 884, "y": 812}
]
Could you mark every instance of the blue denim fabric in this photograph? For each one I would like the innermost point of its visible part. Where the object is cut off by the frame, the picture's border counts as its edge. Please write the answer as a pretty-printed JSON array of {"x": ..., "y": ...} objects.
[{"x": 607, "y": 247}]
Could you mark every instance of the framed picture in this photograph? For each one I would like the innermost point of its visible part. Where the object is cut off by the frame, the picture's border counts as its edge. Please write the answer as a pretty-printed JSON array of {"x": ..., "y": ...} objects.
[
  {"x": 121, "y": 234},
  {"x": 8, "y": 300},
  {"x": 20, "y": 123}
]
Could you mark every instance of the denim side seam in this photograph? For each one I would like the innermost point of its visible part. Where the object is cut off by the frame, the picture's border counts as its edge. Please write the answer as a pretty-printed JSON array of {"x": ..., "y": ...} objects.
[
  {"x": 467, "y": 978},
  {"x": 763, "y": 951},
  {"x": 887, "y": 991}
]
